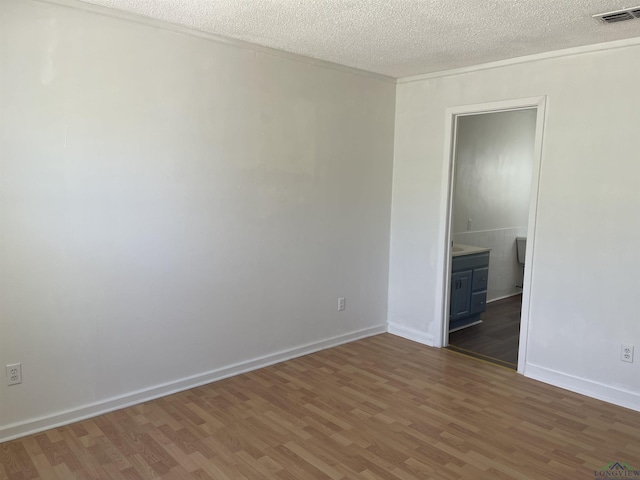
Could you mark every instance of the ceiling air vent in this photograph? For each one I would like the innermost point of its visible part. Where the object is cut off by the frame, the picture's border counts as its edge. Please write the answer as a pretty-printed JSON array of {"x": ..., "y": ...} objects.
[{"x": 619, "y": 15}]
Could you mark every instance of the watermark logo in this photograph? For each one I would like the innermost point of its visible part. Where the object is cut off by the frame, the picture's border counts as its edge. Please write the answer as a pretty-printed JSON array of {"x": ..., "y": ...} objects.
[{"x": 617, "y": 470}]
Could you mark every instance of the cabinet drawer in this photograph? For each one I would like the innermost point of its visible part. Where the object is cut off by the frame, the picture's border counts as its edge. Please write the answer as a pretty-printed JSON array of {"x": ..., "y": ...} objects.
[
  {"x": 464, "y": 262},
  {"x": 480, "y": 279},
  {"x": 478, "y": 302}
]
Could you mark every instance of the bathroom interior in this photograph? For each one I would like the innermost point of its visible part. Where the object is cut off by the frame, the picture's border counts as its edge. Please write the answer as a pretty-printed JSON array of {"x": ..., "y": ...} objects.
[{"x": 493, "y": 167}]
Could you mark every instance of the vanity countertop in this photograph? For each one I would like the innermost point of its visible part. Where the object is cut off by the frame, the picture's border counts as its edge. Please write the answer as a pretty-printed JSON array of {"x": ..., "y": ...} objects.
[{"x": 459, "y": 250}]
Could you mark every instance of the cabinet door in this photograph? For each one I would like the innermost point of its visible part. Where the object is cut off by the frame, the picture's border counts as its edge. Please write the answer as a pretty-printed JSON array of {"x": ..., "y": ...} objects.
[{"x": 460, "y": 294}]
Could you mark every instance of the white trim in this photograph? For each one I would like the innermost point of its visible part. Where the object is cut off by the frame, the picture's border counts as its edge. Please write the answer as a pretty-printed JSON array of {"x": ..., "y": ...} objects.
[
  {"x": 443, "y": 290},
  {"x": 585, "y": 49},
  {"x": 172, "y": 27},
  {"x": 487, "y": 231},
  {"x": 410, "y": 334},
  {"x": 477, "y": 322},
  {"x": 444, "y": 254},
  {"x": 505, "y": 296},
  {"x": 35, "y": 425},
  {"x": 527, "y": 277},
  {"x": 600, "y": 391}
]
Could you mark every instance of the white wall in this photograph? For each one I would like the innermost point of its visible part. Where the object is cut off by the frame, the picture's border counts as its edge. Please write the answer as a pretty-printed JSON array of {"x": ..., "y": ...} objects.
[
  {"x": 586, "y": 264},
  {"x": 174, "y": 209},
  {"x": 492, "y": 190},
  {"x": 494, "y": 161}
]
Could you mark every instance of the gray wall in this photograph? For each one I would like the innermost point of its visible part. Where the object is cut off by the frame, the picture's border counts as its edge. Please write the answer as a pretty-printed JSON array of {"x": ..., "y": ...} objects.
[
  {"x": 174, "y": 209},
  {"x": 494, "y": 162}
]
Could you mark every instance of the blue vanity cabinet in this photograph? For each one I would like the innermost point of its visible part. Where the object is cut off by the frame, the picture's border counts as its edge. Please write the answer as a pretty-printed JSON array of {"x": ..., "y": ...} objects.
[
  {"x": 469, "y": 279},
  {"x": 461, "y": 294}
]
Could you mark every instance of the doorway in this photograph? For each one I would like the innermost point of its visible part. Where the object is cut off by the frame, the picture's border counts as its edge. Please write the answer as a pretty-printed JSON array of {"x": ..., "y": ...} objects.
[{"x": 494, "y": 155}]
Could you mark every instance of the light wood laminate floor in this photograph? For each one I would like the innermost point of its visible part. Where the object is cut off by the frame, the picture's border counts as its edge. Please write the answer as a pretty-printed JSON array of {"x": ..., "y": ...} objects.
[{"x": 379, "y": 408}]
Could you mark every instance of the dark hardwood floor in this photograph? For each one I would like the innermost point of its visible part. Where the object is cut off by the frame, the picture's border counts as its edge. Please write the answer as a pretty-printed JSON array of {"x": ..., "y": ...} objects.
[{"x": 496, "y": 338}]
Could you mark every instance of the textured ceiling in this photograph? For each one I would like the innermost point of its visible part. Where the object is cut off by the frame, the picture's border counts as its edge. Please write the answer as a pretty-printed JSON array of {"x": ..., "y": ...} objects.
[{"x": 397, "y": 38}]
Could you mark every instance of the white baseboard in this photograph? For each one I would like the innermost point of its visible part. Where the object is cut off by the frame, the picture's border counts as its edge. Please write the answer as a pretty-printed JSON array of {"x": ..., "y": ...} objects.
[
  {"x": 35, "y": 425},
  {"x": 411, "y": 334},
  {"x": 504, "y": 296},
  {"x": 600, "y": 391},
  {"x": 477, "y": 322}
]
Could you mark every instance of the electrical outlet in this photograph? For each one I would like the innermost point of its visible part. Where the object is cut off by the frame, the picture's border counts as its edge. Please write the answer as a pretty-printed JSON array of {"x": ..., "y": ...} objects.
[
  {"x": 626, "y": 353},
  {"x": 341, "y": 304},
  {"x": 14, "y": 374}
]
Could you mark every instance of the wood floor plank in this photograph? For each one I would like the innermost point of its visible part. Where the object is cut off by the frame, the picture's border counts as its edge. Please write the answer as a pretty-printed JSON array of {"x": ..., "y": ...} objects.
[{"x": 380, "y": 408}]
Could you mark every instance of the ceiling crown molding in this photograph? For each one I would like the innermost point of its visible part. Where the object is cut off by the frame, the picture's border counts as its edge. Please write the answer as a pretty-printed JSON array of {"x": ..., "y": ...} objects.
[
  {"x": 596, "y": 47},
  {"x": 172, "y": 27}
]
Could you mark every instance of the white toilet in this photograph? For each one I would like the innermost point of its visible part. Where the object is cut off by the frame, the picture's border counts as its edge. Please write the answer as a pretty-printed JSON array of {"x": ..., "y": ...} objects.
[{"x": 521, "y": 248}]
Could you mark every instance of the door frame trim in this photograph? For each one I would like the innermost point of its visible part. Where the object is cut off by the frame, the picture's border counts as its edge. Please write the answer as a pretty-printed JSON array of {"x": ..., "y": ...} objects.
[{"x": 441, "y": 336}]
